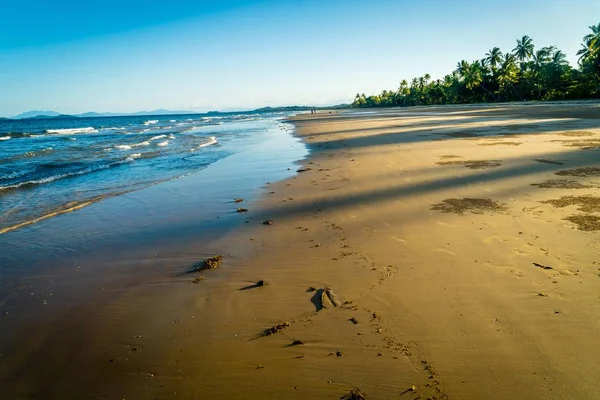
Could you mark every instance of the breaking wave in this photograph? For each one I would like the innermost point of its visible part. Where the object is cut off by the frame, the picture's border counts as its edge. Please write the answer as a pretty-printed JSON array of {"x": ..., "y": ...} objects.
[{"x": 71, "y": 131}]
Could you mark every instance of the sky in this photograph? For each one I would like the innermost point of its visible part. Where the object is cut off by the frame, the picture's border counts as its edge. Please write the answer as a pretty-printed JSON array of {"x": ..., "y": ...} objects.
[{"x": 199, "y": 55}]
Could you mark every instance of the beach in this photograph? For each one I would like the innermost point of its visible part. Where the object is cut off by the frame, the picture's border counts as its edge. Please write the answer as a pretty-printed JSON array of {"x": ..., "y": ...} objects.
[{"x": 417, "y": 253}]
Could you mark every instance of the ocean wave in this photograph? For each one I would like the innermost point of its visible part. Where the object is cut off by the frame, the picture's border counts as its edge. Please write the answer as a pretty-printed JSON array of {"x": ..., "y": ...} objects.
[
  {"x": 158, "y": 137},
  {"x": 171, "y": 136},
  {"x": 71, "y": 131},
  {"x": 15, "y": 135},
  {"x": 38, "y": 152},
  {"x": 16, "y": 174},
  {"x": 5, "y": 138},
  {"x": 163, "y": 144},
  {"x": 211, "y": 140},
  {"x": 56, "y": 177},
  {"x": 151, "y": 122},
  {"x": 130, "y": 146},
  {"x": 133, "y": 156}
]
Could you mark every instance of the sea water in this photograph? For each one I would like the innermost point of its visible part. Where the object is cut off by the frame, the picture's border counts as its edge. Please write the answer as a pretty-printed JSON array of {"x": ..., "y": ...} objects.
[{"x": 56, "y": 165}]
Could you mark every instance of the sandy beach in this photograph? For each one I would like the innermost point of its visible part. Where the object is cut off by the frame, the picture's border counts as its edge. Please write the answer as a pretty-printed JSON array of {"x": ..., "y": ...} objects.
[{"x": 419, "y": 253}]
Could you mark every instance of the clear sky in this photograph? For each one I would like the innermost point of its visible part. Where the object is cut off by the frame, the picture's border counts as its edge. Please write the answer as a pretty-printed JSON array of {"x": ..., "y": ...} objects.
[{"x": 129, "y": 55}]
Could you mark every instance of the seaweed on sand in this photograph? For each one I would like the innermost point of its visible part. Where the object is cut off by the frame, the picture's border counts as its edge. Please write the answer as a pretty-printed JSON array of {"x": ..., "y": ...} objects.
[
  {"x": 587, "y": 204},
  {"x": 473, "y": 164},
  {"x": 276, "y": 329},
  {"x": 585, "y": 171},
  {"x": 560, "y": 184},
  {"x": 354, "y": 394},
  {"x": 585, "y": 222},
  {"x": 211, "y": 263},
  {"x": 476, "y": 206}
]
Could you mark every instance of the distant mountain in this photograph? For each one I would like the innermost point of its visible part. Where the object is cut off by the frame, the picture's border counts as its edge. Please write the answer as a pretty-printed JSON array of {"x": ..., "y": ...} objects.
[
  {"x": 53, "y": 114},
  {"x": 36, "y": 113},
  {"x": 161, "y": 111},
  {"x": 59, "y": 116}
]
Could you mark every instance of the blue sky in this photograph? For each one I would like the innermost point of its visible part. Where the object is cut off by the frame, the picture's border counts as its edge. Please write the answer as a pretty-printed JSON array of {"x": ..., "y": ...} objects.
[{"x": 122, "y": 56}]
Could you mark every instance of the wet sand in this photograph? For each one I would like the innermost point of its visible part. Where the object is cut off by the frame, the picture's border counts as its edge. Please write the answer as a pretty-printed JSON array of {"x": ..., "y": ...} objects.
[{"x": 444, "y": 252}]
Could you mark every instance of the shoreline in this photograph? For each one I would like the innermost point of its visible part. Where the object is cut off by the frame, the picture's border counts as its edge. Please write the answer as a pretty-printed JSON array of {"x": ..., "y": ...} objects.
[{"x": 442, "y": 297}]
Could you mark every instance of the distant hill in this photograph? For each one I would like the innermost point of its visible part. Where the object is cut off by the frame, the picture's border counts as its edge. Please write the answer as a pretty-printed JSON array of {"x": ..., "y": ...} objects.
[
  {"x": 161, "y": 111},
  {"x": 300, "y": 108},
  {"x": 59, "y": 116},
  {"x": 53, "y": 114},
  {"x": 36, "y": 113}
]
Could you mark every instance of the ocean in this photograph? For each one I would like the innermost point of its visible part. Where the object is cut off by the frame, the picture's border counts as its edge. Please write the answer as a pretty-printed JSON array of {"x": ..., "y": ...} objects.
[{"x": 52, "y": 166}]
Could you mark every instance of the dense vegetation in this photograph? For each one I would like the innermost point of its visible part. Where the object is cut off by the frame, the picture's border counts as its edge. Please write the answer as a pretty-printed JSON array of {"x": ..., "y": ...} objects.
[{"x": 525, "y": 73}]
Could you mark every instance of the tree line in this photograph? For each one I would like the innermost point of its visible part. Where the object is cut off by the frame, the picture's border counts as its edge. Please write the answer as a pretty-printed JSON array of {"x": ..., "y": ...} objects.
[{"x": 525, "y": 73}]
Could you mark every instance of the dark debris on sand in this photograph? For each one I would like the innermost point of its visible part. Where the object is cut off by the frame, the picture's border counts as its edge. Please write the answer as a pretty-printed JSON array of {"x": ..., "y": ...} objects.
[
  {"x": 276, "y": 329},
  {"x": 476, "y": 206},
  {"x": 546, "y": 161},
  {"x": 576, "y": 133},
  {"x": 211, "y": 263},
  {"x": 583, "y": 172},
  {"x": 585, "y": 222},
  {"x": 500, "y": 144},
  {"x": 473, "y": 164},
  {"x": 587, "y": 204},
  {"x": 354, "y": 394},
  {"x": 560, "y": 184}
]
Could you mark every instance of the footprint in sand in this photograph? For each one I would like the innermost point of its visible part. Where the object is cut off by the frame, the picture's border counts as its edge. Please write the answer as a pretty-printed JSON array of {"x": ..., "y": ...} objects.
[
  {"x": 445, "y": 224},
  {"x": 491, "y": 239},
  {"x": 398, "y": 239},
  {"x": 440, "y": 250},
  {"x": 521, "y": 252}
]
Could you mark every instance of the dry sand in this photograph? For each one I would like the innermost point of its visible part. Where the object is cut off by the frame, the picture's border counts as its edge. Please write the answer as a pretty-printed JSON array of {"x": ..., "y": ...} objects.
[{"x": 462, "y": 264}]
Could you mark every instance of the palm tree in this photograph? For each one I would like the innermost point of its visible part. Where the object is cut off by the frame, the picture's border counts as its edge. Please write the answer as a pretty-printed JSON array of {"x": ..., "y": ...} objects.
[
  {"x": 493, "y": 57},
  {"x": 594, "y": 37},
  {"x": 462, "y": 67},
  {"x": 559, "y": 59},
  {"x": 586, "y": 51},
  {"x": 524, "y": 49},
  {"x": 507, "y": 73}
]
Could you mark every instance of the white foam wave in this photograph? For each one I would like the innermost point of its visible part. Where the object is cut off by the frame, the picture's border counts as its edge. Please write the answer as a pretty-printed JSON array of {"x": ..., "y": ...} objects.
[
  {"x": 130, "y": 146},
  {"x": 158, "y": 137},
  {"x": 16, "y": 174},
  {"x": 61, "y": 176},
  {"x": 133, "y": 156},
  {"x": 171, "y": 136},
  {"x": 5, "y": 138},
  {"x": 151, "y": 122},
  {"x": 163, "y": 144},
  {"x": 211, "y": 140},
  {"x": 72, "y": 131}
]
